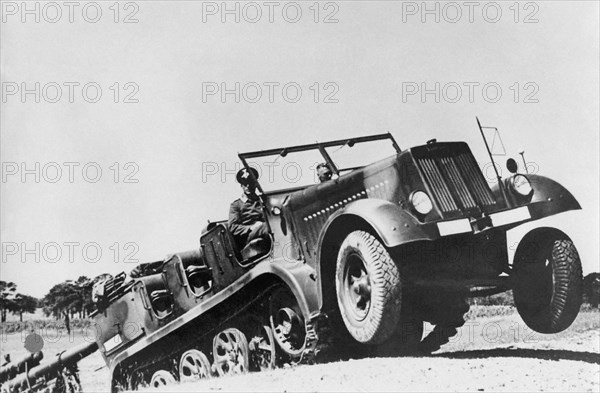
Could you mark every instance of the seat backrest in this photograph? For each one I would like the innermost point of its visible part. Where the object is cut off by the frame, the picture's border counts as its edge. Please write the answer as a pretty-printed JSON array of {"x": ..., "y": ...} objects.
[
  {"x": 219, "y": 251},
  {"x": 211, "y": 225},
  {"x": 254, "y": 250},
  {"x": 158, "y": 298}
]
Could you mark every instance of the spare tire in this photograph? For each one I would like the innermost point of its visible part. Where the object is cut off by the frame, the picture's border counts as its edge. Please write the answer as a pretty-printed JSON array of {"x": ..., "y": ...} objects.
[
  {"x": 548, "y": 280},
  {"x": 368, "y": 288}
]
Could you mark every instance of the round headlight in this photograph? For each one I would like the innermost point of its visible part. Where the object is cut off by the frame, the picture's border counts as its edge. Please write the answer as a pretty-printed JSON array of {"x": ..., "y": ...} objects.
[
  {"x": 521, "y": 185},
  {"x": 421, "y": 202}
]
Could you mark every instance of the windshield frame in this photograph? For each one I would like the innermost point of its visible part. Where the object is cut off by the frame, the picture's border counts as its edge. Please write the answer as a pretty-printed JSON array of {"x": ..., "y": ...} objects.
[{"x": 320, "y": 146}]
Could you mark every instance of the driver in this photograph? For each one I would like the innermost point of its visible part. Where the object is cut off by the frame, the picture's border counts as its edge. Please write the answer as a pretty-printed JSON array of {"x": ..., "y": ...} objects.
[{"x": 246, "y": 219}]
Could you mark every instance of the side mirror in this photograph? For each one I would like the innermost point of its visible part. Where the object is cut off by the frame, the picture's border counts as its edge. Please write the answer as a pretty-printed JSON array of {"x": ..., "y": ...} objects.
[
  {"x": 512, "y": 166},
  {"x": 276, "y": 210}
]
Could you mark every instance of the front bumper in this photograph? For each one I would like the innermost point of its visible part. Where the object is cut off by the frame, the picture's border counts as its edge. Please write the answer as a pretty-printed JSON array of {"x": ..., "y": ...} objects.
[{"x": 498, "y": 219}]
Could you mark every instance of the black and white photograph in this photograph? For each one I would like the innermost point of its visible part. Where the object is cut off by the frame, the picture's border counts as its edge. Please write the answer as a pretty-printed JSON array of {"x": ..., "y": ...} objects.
[{"x": 299, "y": 196}]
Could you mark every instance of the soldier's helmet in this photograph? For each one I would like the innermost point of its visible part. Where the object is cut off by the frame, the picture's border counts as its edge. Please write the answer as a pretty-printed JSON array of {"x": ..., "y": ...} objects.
[{"x": 243, "y": 176}]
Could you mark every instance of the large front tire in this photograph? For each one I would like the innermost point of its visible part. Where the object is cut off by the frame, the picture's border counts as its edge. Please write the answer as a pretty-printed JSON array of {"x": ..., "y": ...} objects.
[
  {"x": 548, "y": 280},
  {"x": 368, "y": 288}
]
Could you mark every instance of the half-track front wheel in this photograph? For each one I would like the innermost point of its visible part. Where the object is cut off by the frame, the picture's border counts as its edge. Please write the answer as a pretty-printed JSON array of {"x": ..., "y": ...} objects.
[
  {"x": 230, "y": 351},
  {"x": 368, "y": 288},
  {"x": 548, "y": 280}
]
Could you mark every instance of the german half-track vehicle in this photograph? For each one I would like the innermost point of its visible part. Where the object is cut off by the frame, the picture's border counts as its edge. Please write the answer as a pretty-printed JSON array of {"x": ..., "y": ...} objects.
[{"x": 354, "y": 264}]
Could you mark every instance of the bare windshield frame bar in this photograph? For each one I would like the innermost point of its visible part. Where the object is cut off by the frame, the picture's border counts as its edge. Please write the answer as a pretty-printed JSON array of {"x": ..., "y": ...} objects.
[{"x": 318, "y": 146}]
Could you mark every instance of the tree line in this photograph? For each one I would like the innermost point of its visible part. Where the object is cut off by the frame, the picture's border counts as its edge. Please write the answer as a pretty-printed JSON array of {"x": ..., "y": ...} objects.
[
  {"x": 64, "y": 301},
  {"x": 14, "y": 302}
]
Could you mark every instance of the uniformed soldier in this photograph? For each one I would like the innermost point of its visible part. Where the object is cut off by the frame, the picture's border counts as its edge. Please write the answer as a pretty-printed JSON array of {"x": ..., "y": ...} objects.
[
  {"x": 246, "y": 219},
  {"x": 324, "y": 172}
]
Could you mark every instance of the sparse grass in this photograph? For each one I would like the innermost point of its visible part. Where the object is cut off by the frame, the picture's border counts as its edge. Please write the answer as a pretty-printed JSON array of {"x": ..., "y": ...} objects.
[
  {"x": 489, "y": 311},
  {"x": 42, "y": 324},
  {"x": 499, "y": 299}
]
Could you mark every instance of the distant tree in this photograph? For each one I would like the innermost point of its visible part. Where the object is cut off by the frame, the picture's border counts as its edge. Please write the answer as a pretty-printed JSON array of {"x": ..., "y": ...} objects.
[
  {"x": 60, "y": 301},
  {"x": 24, "y": 304},
  {"x": 7, "y": 298},
  {"x": 69, "y": 298},
  {"x": 83, "y": 305},
  {"x": 591, "y": 288}
]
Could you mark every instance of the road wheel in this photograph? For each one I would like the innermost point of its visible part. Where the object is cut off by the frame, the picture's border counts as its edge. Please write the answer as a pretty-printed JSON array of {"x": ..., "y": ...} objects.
[
  {"x": 548, "y": 281},
  {"x": 230, "y": 351},
  {"x": 287, "y": 324},
  {"x": 262, "y": 349},
  {"x": 368, "y": 288},
  {"x": 162, "y": 378},
  {"x": 193, "y": 365}
]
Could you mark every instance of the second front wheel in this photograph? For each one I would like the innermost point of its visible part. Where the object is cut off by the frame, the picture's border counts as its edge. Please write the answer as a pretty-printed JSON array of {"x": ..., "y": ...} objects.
[{"x": 368, "y": 288}]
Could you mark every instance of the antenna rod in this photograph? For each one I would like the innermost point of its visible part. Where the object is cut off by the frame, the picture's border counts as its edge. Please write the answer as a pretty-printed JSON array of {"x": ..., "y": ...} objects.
[
  {"x": 500, "y": 184},
  {"x": 522, "y": 153}
]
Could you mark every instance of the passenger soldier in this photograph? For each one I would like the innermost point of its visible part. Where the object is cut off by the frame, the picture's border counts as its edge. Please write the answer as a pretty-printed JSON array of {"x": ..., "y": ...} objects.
[
  {"x": 324, "y": 172},
  {"x": 246, "y": 220}
]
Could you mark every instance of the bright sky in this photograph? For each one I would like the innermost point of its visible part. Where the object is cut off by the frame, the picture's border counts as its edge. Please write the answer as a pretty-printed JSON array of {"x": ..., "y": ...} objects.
[{"x": 179, "y": 141}]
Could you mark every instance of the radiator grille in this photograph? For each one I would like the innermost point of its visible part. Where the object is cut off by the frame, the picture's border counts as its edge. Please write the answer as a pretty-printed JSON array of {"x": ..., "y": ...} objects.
[{"x": 456, "y": 182}]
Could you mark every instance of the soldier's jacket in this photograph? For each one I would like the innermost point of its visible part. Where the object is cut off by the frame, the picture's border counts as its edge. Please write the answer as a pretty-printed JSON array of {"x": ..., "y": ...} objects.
[{"x": 243, "y": 213}]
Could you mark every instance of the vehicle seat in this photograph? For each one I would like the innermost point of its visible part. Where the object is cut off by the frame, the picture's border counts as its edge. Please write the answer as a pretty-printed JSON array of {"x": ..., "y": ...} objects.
[
  {"x": 160, "y": 297},
  {"x": 255, "y": 248},
  {"x": 198, "y": 275}
]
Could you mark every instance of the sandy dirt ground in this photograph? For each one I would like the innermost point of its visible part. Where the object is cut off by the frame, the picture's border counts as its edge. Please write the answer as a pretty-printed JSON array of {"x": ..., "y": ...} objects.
[
  {"x": 508, "y": 368},
  {"x": 488, "y": 354}
]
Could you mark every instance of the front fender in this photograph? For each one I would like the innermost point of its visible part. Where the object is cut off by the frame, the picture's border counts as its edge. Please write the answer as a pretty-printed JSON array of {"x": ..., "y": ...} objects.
[
  {"x": 299, "y": 278},
  {"x": 549, "y": 197},
  {"x": 393, "y": 225}
]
